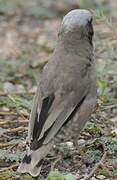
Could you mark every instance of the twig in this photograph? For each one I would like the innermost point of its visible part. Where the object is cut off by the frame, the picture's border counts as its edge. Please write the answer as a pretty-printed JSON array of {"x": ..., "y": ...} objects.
[
  {"x": 16, "y": 93},
  {"x": 100, "y": 163},
  {"x": 3, "y": 113},
  {"x": 7, "y": 145},
  {"x": 16, "y": 129},
  {"x": 7, "y": 113},
  {"x": 108, "y": 35},
  {"x": 2, "y": 123},
  {"x": 5, "y": 136},
  {"x": 14, "y": 166},
  {"x": 54, "y": 163}
]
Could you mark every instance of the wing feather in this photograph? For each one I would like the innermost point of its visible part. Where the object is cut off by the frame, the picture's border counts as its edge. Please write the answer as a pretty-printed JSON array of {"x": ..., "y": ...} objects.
[
  {"x": 54, "y": 121},
  {"x": 61, "y": 120},
  {"x": 34, "y": 112},
  {"x": 41, "y": 118}
]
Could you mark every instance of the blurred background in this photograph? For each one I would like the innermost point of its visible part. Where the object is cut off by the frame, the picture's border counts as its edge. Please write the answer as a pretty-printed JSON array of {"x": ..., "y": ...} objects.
[{"x": 28, "y": 34}]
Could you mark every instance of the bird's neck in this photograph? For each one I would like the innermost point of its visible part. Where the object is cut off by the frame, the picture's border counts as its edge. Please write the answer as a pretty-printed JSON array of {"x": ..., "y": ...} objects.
[{"x": 80, "y": 47}]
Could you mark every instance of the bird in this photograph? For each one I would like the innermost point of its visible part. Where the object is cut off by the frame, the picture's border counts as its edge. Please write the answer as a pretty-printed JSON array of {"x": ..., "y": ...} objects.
[{"x": 67, "y": 90}]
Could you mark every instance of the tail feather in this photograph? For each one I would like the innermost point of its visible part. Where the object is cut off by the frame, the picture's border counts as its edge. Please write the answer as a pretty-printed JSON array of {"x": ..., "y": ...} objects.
[
  {"x": 35, "y": 171},
  {"x": 32, "y": 161},
  {"x": 24, "y": 168}
]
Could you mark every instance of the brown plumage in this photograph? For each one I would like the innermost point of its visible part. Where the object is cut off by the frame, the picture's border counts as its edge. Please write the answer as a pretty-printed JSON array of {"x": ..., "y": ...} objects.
[{"x": 67, "y": 89}]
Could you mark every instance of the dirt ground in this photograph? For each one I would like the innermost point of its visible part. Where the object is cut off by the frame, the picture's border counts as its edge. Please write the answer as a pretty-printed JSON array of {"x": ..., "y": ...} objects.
[{"x": 28, "y": 34}]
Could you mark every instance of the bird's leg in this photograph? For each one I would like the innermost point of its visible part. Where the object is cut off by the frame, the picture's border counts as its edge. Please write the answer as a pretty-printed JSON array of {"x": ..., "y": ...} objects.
[{"x": 76, "y": 142}]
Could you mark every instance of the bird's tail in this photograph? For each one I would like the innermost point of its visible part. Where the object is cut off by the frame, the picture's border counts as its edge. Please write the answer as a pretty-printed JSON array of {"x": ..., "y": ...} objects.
[{"x": 32, "y": 160}]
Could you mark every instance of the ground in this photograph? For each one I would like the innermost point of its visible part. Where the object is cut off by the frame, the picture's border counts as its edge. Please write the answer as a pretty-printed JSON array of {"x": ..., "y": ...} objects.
[{"x": 28, "y": 34}]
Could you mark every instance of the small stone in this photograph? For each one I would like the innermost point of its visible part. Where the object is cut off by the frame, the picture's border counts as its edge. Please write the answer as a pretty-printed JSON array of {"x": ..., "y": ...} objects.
[
  {"x": 69, "y": 144},
  {"x": 114, "y": 132},
  {"x": 8, "y": 87},
  {"x": 93, "y": 178},
  {"x": 24, "y": 112},
  {"x": 114, "y": 111},
  {"x": 33, "y": 89},
  {"x": 42, "y": 40},
  {"x": 5, "y": 109},
  {"x": 101, "y": 177},
  {"x": 20, "y": 88},
  {"x": 114, "y": 120},
  {"x": 81, "y": 142}
]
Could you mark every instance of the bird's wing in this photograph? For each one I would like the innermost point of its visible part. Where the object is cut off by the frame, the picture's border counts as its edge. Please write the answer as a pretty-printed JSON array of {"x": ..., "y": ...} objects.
[
  {"x": 51, "y": 116},
  {"x": 62, "y": 118},
  {"x": 35, "y": 109}
]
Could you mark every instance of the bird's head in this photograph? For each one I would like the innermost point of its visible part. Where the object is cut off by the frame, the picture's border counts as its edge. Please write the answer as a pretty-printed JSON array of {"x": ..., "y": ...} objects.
[{"x": 77, "y": 24}]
